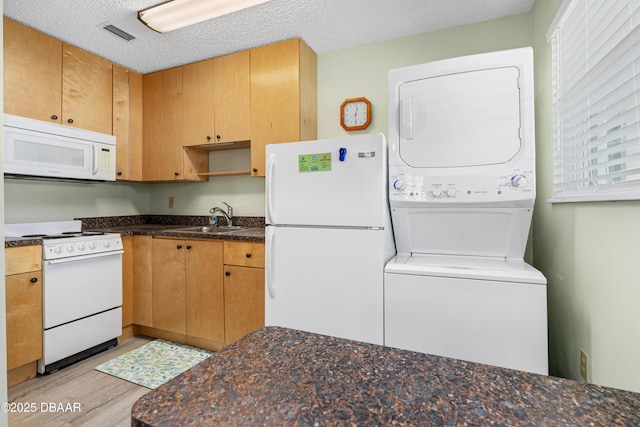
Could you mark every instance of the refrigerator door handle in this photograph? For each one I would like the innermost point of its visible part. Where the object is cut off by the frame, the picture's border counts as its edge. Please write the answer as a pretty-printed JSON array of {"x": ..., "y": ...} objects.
[
  {"x": 271, "y": 166},
  {"x": 269, "y": 264}
]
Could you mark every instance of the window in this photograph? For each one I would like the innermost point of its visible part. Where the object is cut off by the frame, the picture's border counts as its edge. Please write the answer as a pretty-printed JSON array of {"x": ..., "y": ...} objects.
[{"x": 596, "y": 83}]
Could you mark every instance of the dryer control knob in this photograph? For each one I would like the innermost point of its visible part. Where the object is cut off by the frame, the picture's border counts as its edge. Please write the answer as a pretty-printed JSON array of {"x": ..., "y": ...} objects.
[
  {"x": 451, "y": 192},
  {"x": 400, "y": 185},
  {"x": 518, "y": 181},
  {"x": 436, "y": 193}
]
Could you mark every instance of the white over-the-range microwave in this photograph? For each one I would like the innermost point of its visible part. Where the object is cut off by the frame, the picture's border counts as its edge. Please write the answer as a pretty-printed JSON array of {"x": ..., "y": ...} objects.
[{"x": 37, "y": 149}]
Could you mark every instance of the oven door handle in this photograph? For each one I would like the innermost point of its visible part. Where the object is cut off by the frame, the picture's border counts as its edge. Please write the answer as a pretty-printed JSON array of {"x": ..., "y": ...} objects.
[{"x": 82, "y": 257}]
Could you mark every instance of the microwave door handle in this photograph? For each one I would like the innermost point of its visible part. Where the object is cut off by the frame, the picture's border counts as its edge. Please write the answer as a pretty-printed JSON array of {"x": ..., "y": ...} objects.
[{"x": 94, "y": 152}]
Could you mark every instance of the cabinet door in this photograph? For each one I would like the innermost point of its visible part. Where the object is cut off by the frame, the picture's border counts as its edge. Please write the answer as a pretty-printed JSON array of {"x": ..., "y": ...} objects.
[
  {"x": 283, "y": 97},
  {"x": 142, "y": 281},
  {"x": 204, "y": 290},
  {"x": 127, "y": 281},
  {"x": 32, "y": 73},
  {"x": 127, "y": 123},
  {"x": 243, "y": 301},
  {"x": 135, "y": 126},
  {"x": 87, "y": 90},
  {"x": 121, "y": 120},
  {"x": 24, "y": 318},
  {"x": 168, "y": 266},
  {"x": 232, "y": 97},
  {"x": 171, "y": 125},
  {"x": 198, "y": 103},
  {"x": 151, "y": 125}
]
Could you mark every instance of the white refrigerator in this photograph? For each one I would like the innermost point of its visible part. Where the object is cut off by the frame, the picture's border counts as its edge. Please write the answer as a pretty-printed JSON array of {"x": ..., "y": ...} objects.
[{"x": 328, "y": 236}]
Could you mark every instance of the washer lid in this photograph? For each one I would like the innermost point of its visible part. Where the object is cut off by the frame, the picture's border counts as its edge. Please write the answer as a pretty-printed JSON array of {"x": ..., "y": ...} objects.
[
  {"x": 466, "y": 267},
  {"x": 461, "y": 119}
]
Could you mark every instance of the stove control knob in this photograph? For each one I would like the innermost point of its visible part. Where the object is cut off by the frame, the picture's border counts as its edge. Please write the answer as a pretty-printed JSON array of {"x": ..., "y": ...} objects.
[
  {"x": 58, "y": 249},
  {"x": 399, "y": 185},
  {"x": 518, "y": 181},
  {"x": 92, "y": 245},
  {"x": 69, "y": 248},
  {"x": 106, "y": 243},
  {"x": 80, "y": 246},
  {"x": 436, "y": 193},
  {"x": 451, "y": 192}
]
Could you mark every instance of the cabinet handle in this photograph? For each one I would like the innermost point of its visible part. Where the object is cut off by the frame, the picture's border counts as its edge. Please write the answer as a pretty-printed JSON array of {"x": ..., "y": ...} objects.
[
  {"x": 227, "y": 273},
  {"x": 255, "y": 170},
  {"x": 70, "y": 120},
  {"x": 54, "y": 117},
  {"x": 119, "y": 173},
  {"x": 218, "y": 136},
  {"x": 34, "y": 280},
  {"x": 179, "y": 247},
  {"x": 188, "y": 246},
  {"x": 176, "y": 173},
  {"x": 208, "y": 137},
  {"x": 248, "y": 255}
]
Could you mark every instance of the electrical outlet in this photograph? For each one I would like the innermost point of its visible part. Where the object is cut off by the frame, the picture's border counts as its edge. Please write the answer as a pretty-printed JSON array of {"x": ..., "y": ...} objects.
[
  {"x": 584, "y": 365},
  {"x": 172, "y": 202}
]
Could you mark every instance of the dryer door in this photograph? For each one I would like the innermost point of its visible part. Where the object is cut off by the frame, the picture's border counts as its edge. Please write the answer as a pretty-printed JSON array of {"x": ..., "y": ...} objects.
[{"x": 461, "y": 119}]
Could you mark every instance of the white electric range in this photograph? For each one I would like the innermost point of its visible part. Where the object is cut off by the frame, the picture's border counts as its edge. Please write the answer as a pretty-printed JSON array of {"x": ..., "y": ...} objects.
[{"x": 82, "y": 290}]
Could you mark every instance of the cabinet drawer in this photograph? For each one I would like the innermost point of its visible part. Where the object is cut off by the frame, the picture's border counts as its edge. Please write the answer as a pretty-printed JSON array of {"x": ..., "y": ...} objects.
[
  {"x": 23, "y": 259},
  {"x": 244, "y": 254}
]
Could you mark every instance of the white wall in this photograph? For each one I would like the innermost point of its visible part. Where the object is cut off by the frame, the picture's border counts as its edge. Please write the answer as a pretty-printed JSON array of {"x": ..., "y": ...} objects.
[{"x": 589, "y": 253}]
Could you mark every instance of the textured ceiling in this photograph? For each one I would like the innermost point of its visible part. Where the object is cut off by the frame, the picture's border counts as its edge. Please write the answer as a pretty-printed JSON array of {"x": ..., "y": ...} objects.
[{"x": 326, "y": 25}]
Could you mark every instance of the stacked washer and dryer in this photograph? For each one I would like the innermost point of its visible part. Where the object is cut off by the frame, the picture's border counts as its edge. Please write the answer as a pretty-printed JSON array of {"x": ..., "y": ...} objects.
[{"x": 461, "y": 192}]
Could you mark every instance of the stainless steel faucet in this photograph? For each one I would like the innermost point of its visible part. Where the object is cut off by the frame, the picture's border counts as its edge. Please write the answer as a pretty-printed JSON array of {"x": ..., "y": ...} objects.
[{"x": 228, "y": 215}]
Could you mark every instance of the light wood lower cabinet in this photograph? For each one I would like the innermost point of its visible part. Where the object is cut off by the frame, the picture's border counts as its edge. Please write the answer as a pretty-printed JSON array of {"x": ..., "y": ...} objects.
[
  {"x": 142, "y": 281},
  {"x": 243, "y": 289},
  {"x": 187, "y": 288},
  {"x": 23, "y": 277},
  {"x": 199, "y": 292}
]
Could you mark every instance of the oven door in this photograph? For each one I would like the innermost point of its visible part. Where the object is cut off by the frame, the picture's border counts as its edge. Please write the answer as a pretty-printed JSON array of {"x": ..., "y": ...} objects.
[{"x": 81, "y": 286}]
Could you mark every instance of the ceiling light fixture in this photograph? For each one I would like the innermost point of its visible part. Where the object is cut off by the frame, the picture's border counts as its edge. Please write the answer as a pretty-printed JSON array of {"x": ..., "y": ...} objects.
[{"x": 175, "y": 14}]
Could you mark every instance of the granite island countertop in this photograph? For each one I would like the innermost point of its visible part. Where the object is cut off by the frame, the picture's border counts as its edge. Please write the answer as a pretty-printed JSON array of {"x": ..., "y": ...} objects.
[{"x": 278, "y": 377}]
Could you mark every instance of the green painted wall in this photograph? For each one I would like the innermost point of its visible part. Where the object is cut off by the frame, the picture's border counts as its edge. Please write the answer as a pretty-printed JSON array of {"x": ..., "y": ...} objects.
[{"x": 589, "y": 253}]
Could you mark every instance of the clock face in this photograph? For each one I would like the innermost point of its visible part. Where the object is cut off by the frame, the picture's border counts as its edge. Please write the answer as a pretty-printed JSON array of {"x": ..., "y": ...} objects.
[{"x": 355, "y": 114}]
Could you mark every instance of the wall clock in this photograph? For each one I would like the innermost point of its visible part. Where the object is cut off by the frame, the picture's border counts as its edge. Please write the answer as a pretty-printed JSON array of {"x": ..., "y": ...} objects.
[{"x": 355, "y": 113}]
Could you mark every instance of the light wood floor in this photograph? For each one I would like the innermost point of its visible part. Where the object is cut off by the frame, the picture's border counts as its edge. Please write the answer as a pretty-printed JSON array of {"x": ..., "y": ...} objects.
[{"x": 103, "y": 400}]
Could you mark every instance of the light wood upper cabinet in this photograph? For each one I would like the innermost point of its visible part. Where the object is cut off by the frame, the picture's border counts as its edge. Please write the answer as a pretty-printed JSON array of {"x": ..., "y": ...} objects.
[
  {"x": 164, "y": 157},
  {"x": 232, "y": 97},
  {"x": 283, "y": 97},
  {"x": 216, "y": 100},
  {"x": 46, "y": 79},
  {"x": 198, "y": 106},
  {"x": 87, "y": 90},
  {"x": 151, "y": 125},
  {"x": 127, "y": 123},
  {"x": 32, "y": 73}
]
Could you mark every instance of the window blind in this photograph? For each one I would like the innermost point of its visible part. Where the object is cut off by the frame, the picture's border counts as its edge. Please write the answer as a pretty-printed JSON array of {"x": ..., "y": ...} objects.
[{"x": 596, "y": 83}]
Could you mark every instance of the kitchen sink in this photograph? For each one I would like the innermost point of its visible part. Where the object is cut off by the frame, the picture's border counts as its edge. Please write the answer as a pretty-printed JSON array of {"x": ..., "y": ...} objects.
[{"x": 206, "y": 229}]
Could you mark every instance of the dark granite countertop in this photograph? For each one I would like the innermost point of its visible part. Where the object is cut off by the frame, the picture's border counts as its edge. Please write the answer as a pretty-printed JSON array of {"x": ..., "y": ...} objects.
[
  {"x": 279, "y": 377},
  {"x": 161, "y": 225}
]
